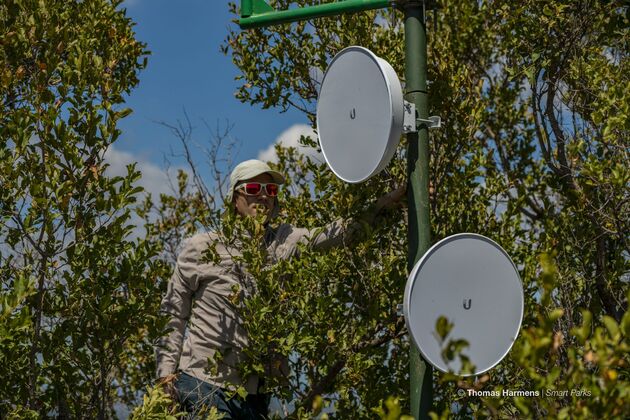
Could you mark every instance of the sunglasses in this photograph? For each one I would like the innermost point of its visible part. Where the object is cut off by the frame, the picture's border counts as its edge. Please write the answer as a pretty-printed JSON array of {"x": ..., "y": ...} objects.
[{"x": 255, "y": 188}]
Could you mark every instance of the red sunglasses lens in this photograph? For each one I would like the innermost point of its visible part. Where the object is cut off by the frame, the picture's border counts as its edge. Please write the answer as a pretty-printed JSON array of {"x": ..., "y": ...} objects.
[
  {"x": 272, "y": 190},
  {"x": 253, "y": 188}
]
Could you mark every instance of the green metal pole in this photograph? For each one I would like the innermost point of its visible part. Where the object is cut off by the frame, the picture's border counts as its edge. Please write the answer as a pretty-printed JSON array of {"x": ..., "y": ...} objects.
[
  {"x": 247, "y": 8},
  {"x": 419, "y": 230},
  {"x": 257, "y": 13}
]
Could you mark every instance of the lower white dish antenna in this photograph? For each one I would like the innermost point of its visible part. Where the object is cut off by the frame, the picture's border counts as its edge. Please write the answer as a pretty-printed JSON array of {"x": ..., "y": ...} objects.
[{"x": 472, "y": 282}]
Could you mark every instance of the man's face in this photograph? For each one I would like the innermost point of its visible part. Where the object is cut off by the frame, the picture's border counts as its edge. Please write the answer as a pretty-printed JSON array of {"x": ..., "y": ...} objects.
[{"x": 251, "y": 205}]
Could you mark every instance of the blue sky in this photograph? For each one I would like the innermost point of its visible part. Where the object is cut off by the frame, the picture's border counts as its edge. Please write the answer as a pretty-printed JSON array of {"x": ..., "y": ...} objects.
[{"x": 186, "y": 69}]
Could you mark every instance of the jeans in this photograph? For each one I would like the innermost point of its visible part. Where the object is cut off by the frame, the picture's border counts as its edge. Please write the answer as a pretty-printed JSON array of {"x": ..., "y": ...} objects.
[{"x": 195, "y": 395}]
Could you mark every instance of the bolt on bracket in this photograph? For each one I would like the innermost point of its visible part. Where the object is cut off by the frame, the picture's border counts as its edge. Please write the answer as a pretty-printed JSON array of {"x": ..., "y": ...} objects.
[{"x": 409, "y": 117}]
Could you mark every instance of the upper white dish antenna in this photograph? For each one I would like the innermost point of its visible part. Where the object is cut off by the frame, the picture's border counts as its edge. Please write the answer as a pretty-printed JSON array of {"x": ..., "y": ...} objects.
[
  {"x": 360, "y": 114},
  {"x": 472, "y": 282}
]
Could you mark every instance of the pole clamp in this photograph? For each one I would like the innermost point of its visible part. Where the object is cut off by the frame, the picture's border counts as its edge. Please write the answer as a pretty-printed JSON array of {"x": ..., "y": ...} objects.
[{"x": 411, "y": 123}]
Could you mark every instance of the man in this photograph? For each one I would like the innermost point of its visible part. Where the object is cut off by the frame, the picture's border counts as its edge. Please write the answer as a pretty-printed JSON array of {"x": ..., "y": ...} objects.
[{"x": 198, "y": 298}]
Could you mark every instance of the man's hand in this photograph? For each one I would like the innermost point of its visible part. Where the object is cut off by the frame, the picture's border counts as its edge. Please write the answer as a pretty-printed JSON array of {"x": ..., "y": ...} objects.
[
  {"x": 168, "y": 385},
  {"x": 398, "y": 198},
  {"x": 392, "y": 199}
]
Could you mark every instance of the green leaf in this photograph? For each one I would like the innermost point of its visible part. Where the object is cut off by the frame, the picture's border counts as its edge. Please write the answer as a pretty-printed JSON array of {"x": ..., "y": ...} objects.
[{"x": 611, "y": 326}]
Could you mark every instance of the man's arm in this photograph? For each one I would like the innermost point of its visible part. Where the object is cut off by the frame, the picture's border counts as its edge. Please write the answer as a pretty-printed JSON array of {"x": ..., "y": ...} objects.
[
  {"x": 169, "y": 347},
  {"x": 341, "y": 232},
  {"x": 177, "y": 304}
]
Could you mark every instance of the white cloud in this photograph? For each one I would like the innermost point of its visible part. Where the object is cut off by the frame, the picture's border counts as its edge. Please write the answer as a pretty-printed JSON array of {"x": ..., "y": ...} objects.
[
  {"x": 290, "y": 138},
  {"x": 154, "y": 179}
]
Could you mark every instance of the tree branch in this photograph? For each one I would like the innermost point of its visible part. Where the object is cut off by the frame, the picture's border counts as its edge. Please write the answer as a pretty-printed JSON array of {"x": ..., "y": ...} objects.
[
  {"x": 544, "y": 147},
  {"x": 607, "y": 300},
  {"x": 369, "y": 341},
  {"x": 538, "y": 211}
]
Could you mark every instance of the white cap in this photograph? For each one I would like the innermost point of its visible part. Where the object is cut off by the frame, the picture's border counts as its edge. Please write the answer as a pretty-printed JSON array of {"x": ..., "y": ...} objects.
[{"x": 250, "y": 169}]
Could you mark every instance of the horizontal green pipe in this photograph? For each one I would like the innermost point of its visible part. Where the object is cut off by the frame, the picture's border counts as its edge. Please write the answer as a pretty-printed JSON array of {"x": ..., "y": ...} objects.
[{"x": 294, "y": 15}]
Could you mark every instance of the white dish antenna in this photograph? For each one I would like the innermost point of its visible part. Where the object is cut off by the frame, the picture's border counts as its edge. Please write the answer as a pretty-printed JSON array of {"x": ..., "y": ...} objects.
[
  {"x": 360, "y": 114},
  {"x": 472, "y": 282}
]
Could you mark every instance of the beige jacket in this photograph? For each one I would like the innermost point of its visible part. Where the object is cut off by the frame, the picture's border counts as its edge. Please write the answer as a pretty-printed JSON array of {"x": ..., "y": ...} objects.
[{"x": 198, "y": 301}]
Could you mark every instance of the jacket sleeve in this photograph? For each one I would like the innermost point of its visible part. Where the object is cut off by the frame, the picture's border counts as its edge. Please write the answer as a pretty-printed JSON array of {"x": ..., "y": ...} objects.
[
  {"x": 176, "y": 305},
  {"x": 337, "y": 233}
]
